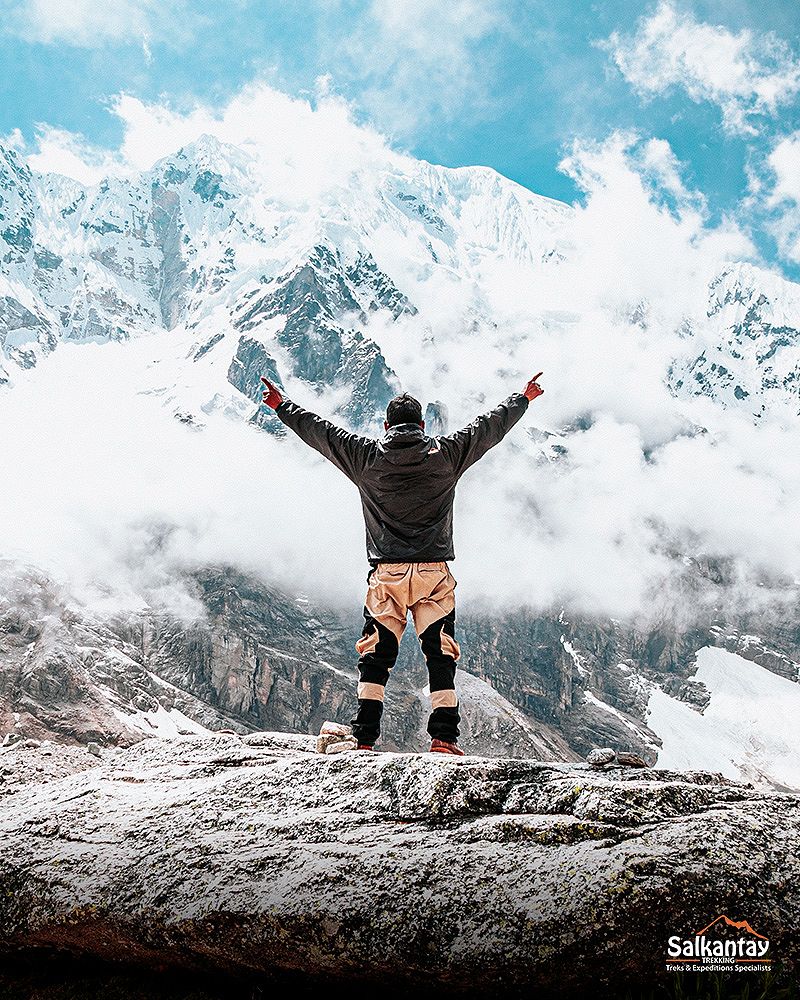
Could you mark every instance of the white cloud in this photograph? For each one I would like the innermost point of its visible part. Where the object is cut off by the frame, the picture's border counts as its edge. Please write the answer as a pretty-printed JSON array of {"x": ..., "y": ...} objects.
[
  {"x": 745, "y": 74},
  {"x": 61, "y": 152},
  {"x": 781, "y": 195},
  {"x": 91, "y": 23},
  {"x": 301, "y": 149},
  {"x": 120, "y": 520},
  {"x": 784, "y": 160},
  {"x": 642, "y": 234},
  {"x": 423, "y": 60},
  {"x": 123, "y": 499}
]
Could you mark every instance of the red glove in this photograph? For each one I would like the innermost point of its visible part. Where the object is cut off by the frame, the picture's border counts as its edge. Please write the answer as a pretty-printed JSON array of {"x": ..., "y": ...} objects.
[
  {"x": 271, "y": 396},
  {"x": 533, "y": 389}
]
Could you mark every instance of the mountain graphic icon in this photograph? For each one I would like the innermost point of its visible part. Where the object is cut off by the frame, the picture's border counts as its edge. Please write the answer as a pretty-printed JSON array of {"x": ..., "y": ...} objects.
[{"x": 739, "y": 925}]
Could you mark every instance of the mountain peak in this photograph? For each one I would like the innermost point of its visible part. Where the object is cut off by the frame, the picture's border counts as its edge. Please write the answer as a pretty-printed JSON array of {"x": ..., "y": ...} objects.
[
  {"x": 204, "y": 145},
  {"x": 12, "y": 163},
  {"x": 205, "y": 153}
]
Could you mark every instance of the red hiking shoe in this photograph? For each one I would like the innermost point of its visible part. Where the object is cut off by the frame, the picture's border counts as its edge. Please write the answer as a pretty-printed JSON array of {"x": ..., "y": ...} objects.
[
  {"x": 439, "y": 746},
  {"x": 365, "y": 746}
]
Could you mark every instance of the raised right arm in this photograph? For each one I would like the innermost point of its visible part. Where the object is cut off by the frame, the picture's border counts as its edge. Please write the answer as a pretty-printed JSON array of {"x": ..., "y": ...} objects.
[{"x": 470, "y": 444}]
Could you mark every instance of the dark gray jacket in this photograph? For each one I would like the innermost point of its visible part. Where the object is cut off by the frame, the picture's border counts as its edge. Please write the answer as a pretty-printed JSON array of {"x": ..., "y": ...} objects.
[{"x": 407, "y": 480}]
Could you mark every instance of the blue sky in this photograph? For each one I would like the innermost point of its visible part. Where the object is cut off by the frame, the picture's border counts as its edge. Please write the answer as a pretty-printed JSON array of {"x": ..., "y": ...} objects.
[{"x": 507, "y": 84}]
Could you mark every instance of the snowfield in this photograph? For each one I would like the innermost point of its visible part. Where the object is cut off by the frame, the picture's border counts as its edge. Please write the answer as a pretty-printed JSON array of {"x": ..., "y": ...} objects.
[{"x": 749, "y": 730}]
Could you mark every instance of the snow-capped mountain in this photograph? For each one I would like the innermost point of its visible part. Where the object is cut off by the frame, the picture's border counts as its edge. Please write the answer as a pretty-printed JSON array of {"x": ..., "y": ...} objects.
[
  {"x": 197, "y": 244},
  {"x": 215, "y": 280},
  {"x": 750, "y": 357}
]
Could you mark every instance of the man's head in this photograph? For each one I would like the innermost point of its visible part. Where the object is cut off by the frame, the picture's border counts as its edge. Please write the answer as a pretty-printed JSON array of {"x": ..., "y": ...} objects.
[{"x": 403, "y": 409}]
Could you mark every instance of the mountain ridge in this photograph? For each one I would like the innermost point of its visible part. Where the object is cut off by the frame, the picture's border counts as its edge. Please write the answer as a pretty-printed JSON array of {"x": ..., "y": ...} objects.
[
  {"x": 210, "y": 278},
  {"x": 166, "y": 246}
]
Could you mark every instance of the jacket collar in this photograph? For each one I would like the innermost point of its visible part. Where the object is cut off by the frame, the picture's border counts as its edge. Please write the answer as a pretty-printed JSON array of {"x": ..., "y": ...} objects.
[{"x": 403, "y": 434}]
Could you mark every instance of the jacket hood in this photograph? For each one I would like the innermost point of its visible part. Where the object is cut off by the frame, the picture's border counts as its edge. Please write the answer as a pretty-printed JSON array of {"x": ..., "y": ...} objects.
[{"x": 406, "y": 444}]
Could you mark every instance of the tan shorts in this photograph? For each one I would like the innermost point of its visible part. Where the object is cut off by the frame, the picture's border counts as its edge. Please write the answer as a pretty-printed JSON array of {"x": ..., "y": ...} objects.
[{"x": 426, "y": 589}]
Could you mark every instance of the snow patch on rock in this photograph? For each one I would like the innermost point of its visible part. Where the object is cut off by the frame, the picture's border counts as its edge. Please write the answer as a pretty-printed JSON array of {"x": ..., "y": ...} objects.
[{"x": 748, "y": 731}]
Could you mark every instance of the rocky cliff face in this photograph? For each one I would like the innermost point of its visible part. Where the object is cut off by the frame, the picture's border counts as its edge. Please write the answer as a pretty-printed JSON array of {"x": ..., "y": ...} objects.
[
  {"x": 255, "y": 855},
  {"x": 530, "y": 685},
  {"x": 257, "y": 659},
  {"x": 750, "y": 352},
  {"x": 72, "y": 677},
  {"x": 311, "y": 305}
]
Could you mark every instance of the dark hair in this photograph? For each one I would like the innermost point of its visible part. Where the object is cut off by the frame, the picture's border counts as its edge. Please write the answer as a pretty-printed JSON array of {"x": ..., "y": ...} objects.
[{"x": 404, "y": 409}]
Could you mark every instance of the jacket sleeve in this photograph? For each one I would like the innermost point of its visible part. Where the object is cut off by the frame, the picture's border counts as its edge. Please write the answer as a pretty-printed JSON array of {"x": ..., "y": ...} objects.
[
  {"x": 347, "y": 451},
  {"x": 466, "y": 446}
]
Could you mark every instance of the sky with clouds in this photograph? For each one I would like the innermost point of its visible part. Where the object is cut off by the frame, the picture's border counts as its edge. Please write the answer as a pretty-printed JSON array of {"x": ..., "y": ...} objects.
[
  {"x": 674, "y": 124},
  {"x": 509, "y": 84}
]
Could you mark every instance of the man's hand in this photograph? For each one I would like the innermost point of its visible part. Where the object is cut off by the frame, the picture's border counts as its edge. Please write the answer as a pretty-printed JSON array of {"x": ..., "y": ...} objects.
[
  {"x": 270, "y": 396},
  {"x": 532, "y": 389}
]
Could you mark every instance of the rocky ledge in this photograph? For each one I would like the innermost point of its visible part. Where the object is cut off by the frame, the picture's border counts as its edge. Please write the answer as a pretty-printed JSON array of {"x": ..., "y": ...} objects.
[{"x": 254, "y": 855}]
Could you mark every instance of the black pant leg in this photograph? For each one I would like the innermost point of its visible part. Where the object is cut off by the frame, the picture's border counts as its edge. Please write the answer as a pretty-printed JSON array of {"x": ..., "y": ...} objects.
[
  {"x": 378, "y": 648},
  {"x": 441, "y": 651}
]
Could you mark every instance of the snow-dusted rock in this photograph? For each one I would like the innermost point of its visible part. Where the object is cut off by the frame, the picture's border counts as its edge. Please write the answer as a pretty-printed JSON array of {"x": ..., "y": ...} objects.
[
  {"x": 68, "y": 675},
  {"x": 748, "y": 350},
  {"x": 214, "y": 853}
]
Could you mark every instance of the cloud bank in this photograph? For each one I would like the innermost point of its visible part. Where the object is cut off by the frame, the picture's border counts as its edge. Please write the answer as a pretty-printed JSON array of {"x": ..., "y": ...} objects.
[
  {"x": 107, "y": 490},
  {"x": 302, "y": 147}
]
